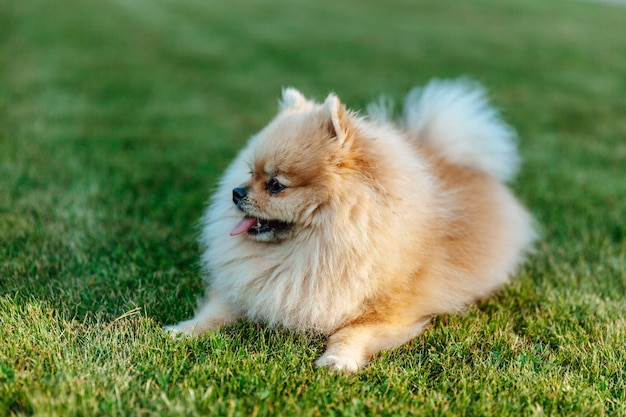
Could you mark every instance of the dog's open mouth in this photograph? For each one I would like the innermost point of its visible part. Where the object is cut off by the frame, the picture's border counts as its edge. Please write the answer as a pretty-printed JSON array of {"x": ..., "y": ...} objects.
[{"x": 257, "y": 226}]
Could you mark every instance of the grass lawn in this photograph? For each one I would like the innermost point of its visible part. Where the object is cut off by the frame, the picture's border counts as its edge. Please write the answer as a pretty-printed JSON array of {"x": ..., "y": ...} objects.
[{"x": 118, "y": 116}]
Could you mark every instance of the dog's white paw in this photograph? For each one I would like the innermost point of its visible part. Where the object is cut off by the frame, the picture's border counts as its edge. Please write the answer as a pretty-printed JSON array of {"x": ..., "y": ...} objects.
[
  {"x": 179, "y": 331},
  {"x": 338, "y": 363}
]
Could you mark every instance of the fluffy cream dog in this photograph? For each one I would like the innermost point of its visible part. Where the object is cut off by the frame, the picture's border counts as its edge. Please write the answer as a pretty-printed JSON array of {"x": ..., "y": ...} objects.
[{"x": 361, "y": 228}]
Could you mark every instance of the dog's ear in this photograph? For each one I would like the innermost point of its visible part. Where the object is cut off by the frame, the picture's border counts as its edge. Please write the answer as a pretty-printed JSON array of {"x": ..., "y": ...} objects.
[
  {"x": 338, "y": 123},
  {"x": 292, "y": 99}
]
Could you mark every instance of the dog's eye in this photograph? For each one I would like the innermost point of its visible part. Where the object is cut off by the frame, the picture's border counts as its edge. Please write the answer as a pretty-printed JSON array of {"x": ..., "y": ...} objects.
[{"x": 274, "y": 187}]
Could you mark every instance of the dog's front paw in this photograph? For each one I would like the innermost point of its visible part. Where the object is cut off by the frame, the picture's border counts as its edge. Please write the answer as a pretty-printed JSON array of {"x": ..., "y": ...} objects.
[
  {"x": 338, "y": 363},
  {"x": 180, "y": 330}
]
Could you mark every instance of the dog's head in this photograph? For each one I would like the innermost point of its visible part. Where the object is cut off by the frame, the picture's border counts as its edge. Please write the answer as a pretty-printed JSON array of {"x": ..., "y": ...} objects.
[{"x": 296, "y": 165}]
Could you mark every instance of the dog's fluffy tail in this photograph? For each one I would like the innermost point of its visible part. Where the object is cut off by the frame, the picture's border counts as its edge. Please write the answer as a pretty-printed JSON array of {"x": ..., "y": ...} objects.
[{"x": 455, "y": 118}]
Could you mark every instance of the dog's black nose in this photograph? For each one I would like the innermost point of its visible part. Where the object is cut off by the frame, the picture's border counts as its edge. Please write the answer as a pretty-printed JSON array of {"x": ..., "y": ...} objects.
[{"x": 239, "y": 194}]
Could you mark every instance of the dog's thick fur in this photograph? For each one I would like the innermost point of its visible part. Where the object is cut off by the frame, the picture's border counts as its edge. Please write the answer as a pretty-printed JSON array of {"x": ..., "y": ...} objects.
[{"x": 361, "y": 228}]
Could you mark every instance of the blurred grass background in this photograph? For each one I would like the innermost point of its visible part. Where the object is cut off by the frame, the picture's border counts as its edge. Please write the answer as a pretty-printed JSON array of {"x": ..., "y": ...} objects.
[{"x": 117, "y": 118}]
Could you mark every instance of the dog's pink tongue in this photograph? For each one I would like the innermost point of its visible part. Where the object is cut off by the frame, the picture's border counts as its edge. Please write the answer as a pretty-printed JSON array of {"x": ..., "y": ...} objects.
[{"x": 243, "y": 226}]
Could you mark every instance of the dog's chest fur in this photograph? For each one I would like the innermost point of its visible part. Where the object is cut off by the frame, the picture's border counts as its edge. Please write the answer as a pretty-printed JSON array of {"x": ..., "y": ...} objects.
[{"x": 308, "y": 292}]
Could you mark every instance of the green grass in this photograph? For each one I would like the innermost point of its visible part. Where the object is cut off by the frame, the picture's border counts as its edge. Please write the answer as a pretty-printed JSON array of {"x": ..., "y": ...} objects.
[{"x": 117, "y": 118}]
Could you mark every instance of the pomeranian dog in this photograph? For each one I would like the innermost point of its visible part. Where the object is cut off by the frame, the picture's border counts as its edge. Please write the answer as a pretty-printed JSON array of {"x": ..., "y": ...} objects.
[{"x": 363, "y": 228}]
